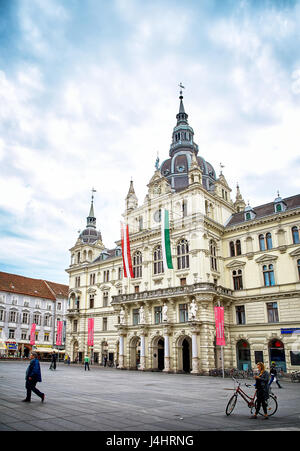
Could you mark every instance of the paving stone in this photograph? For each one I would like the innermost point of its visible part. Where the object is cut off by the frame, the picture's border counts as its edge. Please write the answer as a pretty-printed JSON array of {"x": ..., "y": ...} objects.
[{"x": 113, "y": 400}]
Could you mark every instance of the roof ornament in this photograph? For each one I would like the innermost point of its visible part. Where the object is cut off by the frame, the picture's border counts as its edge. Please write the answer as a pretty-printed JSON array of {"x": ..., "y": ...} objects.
[
  {"x": 157, "y": 162},
  {"x": 181, "y": 87},
  {"x": 221, "y": 166},
  {"x": 93, "y": 191}
]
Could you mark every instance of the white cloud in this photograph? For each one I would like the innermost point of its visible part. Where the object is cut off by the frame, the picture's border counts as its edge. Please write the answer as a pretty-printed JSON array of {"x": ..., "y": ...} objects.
[{"x": 103, "y": 119}]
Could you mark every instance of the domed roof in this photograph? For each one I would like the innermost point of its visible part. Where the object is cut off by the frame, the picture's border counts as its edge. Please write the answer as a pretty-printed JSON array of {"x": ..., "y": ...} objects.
[
  {"x": 179, "y": 165},
  {"x": 90, "y": 235}
]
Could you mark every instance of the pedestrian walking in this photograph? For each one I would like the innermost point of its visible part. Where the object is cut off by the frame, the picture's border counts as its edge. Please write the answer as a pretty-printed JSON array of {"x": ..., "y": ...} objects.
[
  {"x": 273, "y": 374},
  {"x": 68, "y": 360},
  {"x": 86, "y": 363},
  {"x": 33, "y": 376},
  {"x": 262, "y": 390},
  {"x": 105, "y": 360},
  {"x": 53, "y": 361}
]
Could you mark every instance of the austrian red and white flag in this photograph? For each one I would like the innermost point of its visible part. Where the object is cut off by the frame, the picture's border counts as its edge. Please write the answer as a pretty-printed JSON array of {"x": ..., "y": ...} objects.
[
  {"x": 32, "y": 334},
  {"x": 59, "y": 333},
  {"x": 127, "y": 263},
  {"x": 90, "y": 341},
  {"x": 219, "y": 318}
]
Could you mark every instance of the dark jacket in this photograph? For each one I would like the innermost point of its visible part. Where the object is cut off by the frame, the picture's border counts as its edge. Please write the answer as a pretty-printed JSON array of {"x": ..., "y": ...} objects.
[
  {"x": 262, "y": 385},
  {"x": 273, "y": 371},
  {"x": 34, "y": 371}
]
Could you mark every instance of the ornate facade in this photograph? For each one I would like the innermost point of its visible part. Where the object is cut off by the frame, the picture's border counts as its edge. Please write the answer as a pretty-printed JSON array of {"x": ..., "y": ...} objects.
[{"x": 224, "y": 253}]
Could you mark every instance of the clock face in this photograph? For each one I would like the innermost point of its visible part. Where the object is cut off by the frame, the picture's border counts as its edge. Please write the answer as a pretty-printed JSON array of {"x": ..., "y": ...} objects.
[{"x": 157, "y": 216}]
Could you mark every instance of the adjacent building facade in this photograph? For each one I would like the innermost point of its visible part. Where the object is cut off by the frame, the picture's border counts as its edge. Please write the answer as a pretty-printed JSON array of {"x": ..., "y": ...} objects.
[
  {"x": 224, "y": 252},
  {"x": 24, "y": 301}
]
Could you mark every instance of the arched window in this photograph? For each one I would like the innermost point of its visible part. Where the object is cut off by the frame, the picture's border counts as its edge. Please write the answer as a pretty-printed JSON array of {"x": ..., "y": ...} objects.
[
  {"x": 262, "y": 245},
  {"x": 237, "y": 279},
  {"x": 268, "y": 272},
  {"x": 232, "y": 249},
  {"x": 213, "y": 255},
  {"x": 105, "y": 298},
  {"x": 158, "y": 261},
  {"x": 269, "y": 240},
  {"x": 295, "y": 233},
  {"x": 235, "y": 248},
  {"x": 137, "y": 264},
  {"x": 183, "y": 255}
]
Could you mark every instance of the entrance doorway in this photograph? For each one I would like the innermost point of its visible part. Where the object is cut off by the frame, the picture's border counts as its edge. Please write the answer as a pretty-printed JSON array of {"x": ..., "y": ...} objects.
[
  {"x": 277, "y": 354},
  {"x": 158, "y": 354},
  {"x": 161, "y": 355},
  {"x": 186, "y": 361},
  {"x": 135, "y": 353}
]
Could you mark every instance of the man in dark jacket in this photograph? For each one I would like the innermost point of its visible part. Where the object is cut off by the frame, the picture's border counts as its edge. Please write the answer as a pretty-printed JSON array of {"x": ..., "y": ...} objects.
[
  {"x": 53, "y": 361},
  {"x": 33, "y": 376},
  {"x": 273, "y": 374}
]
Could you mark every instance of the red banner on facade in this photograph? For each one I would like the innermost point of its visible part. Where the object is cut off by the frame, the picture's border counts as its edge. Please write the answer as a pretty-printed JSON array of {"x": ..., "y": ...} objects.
[
  {"x": 32, "y": 334},
  {"x": 59, "y": 333},
  {"x": 90, "y": 341},
  {"x": 219, "y": 318}
]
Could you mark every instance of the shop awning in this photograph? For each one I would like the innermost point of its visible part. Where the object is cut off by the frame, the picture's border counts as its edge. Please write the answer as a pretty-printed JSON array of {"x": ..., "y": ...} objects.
[{"x": 43, "y": 350}]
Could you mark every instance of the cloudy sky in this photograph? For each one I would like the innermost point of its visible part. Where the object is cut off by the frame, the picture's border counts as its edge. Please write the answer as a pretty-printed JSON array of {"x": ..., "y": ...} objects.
[{"x": 89, "y": 95}]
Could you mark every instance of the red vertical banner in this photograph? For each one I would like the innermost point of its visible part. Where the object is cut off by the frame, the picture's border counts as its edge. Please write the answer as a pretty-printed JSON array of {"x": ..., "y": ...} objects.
[
  {"x": 126, "y": 254},
  {"x": 59, "y": 333},
  {"x": 219, "y": 318},
  {"x": 90, "y": 341},
  {"x": 32, "y": 334}
]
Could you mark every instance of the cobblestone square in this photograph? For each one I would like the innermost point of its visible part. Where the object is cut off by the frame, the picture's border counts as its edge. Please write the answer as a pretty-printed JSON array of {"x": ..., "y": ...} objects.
[{"x": 106, "y": 399}]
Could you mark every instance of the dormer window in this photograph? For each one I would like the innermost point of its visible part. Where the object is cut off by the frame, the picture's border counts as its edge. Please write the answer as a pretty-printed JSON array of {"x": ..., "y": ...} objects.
[
  {"x": 249, "y": 213},
  {"x": 279, "y": 204}
]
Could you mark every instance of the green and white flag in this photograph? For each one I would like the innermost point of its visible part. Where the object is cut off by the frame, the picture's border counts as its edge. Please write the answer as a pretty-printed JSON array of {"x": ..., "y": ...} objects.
[{"x": 165, "y": 240}]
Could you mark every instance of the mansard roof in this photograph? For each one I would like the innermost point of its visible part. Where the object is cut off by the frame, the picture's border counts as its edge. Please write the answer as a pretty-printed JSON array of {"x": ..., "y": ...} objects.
[{"x": 264, "y": 210}]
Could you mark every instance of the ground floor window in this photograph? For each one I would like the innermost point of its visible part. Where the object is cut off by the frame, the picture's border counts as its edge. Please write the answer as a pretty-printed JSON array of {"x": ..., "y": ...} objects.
[
  {"x": 243, "y": 355},
  {"x": 295, "y": 357}
]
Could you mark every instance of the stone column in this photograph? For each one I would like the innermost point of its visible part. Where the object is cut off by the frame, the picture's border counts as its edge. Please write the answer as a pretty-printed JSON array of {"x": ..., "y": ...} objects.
[
  {"x": 121, "y": 351},
  {"x": 143, "y": 357},
  {"x": 195, "y": 357},
  {"x": 167, "y": 352}
]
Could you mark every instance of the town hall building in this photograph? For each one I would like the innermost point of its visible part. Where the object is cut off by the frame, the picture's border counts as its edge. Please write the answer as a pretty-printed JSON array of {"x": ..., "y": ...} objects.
[{"x": 224, "y": 253}]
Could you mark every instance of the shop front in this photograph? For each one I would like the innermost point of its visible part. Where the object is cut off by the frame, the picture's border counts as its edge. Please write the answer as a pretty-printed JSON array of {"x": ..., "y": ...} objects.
[{"x": 12, "y": 348}]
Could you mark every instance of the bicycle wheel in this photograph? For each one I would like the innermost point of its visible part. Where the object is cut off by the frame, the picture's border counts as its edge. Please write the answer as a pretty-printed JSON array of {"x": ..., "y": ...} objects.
[
  {"x": 231, "y": 405},
  {"x": 272, "y": 406}
]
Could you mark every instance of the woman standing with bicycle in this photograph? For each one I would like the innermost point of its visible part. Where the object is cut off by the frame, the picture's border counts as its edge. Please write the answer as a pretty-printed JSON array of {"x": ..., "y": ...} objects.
[{"x": 262, "y": 388}]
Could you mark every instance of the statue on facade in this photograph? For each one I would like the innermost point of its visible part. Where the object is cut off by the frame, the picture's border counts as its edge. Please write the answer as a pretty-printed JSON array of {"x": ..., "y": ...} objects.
[
  {"x": 165, "y": 313},
  {"x": 192, "y": 310},
  {"x": 122, "y": 316},
  {"x": 142, "y": 315}
]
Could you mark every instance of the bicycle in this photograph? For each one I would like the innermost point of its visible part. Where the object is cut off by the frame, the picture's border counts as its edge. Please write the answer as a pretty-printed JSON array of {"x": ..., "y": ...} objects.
[
  {"x": 295, "y": 376},
  {"x": 251, "y": 402}
]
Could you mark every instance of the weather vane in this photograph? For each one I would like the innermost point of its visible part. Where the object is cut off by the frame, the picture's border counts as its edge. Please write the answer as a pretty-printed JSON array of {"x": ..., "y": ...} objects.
[
  {"x": 93, "y": 191},
  {"x": 181, "y": 87}
]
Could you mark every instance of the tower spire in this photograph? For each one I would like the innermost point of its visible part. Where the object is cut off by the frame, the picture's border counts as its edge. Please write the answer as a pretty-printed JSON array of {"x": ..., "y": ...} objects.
[
  {"x": 181, "y": 116},
  {"x": 91, "y": 220}
]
